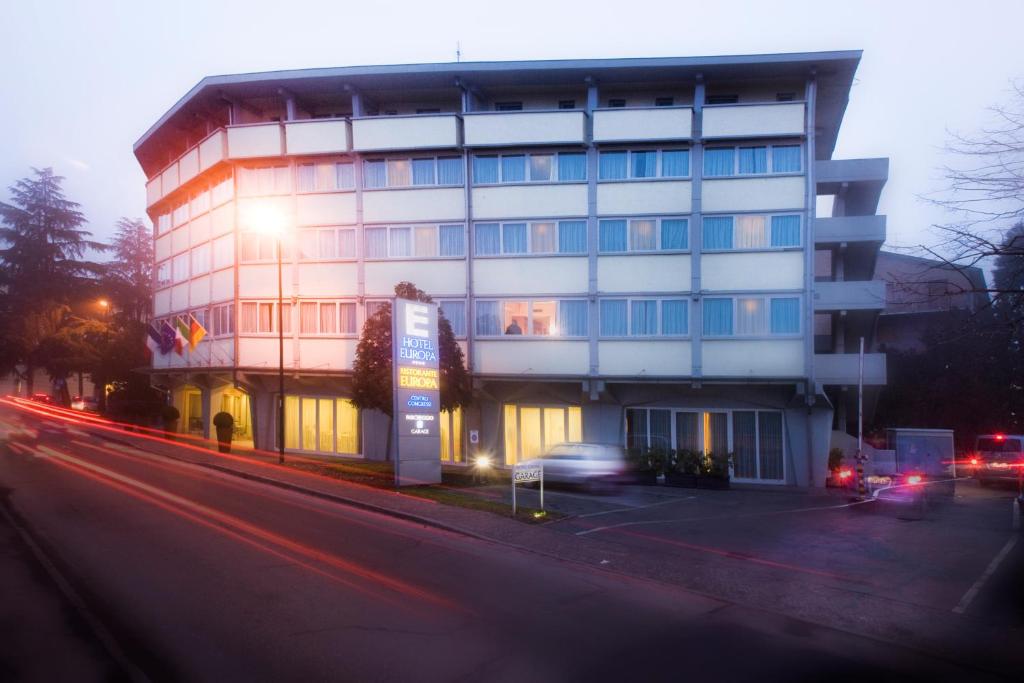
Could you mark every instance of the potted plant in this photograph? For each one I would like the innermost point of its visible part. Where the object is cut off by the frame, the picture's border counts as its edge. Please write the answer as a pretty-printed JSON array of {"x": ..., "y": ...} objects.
[
  {"x": 170, "y": 416},
  {"x": 714, "y": 472},
  {"x": 683, "y": 469},
  {"x": 835, "y": 464},
  {"x": 225, "y": 425},
  {"x": 645, "y": 465}
]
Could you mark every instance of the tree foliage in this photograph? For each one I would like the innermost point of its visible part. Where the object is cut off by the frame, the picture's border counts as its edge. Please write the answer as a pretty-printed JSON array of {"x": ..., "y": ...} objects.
[{"x": 129, "y": 275}]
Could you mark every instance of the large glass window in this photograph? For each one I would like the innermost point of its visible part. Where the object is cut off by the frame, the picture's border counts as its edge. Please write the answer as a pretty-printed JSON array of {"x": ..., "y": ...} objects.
[
  {"x": 321, "y": 425},
  {"x": 751, "y": 232},
  {"x": 644, "y": 317},
  {"x": 752, "y": 160},
  {"x": 419, "y": 241},
  {"x": 530, "y": 431},
  {"x": 618, "y": 235},
  {"x": 645, "y": 163},
  {"x": 751, "y": 316},
  {"x": 455, "y": 313},
  {"x": 538, "y": 318},
  {"x": 491, "y": 169},
  {"x": 325, "y": 177},
  {"x": 539, "y": 237}
]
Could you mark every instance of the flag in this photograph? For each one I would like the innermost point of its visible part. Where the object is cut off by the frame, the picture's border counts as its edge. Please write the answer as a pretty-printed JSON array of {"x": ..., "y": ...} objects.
[
  {"x": 166, "y": 338},
  {"x": 180, "y": 334},
  {"x": 196, "y": 332},
  {"x": 152, "y": 340}
]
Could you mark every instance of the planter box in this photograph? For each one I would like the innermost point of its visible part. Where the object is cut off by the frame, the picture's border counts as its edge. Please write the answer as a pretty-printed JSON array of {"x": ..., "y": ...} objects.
[
  {"x": 645, "y": 477},
  {"x": 681, "y": 480},
  {"x": 715, "y": 483}
]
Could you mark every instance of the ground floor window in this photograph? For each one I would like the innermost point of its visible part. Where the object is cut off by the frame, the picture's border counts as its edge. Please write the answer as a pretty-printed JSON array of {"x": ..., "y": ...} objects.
[
  {"x": 532, "y": 430},
  {"x": 451, "y": 435},
  {"x": 321, "y": 425},
  {"x": 236, "y": 404}
]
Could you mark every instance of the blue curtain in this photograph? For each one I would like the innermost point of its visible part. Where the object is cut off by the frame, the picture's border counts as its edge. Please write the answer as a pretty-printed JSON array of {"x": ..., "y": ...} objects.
[
  {"x": 786, "y": 159},
  {"x": 644, "y": 318},
  {"x": 786, "y": 316},
  {"x": 449, "y": 171},
  {"x": 674, "y": 233},
  {"x": 376, "y": 242},
  {"x": 572, "y": 166},
  {"x": 401, "y": 242},
  {"x": 785, "y": 231},
  {"x": 717, "y": 317},
  {"x": 513, "y": 169},
  {"x": 423, "y": 172},
  {"x": 455, "y": 313},
  {"x": 453, "y": 240},
  {"x": 717, "y": 232},
  {"x": 572, "y": 237},
  {"x": 513, "y": 238},
  {"x": 612, "y": 166},
  {"x": 572, "y": 318},
  {"x": 488, "y": 239},
  {"x": 645, "y": 164},
  {"x": 612, "y": 236},
  {"x": 675, "y": 163},
  {"x": 487, "y": 319},
  {"x": 374, "y": 174},
  {"x": 753, "y": 159},
  {"x": 485, "y": 170},
  {"x": 675, "y": 316},
  {"x": 718, "y": 161},
  {"x": 614, "y": 318}
]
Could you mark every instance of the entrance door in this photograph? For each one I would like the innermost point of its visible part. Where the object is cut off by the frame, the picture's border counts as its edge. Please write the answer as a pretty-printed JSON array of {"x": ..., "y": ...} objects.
[{"x": 194, "y": 412}]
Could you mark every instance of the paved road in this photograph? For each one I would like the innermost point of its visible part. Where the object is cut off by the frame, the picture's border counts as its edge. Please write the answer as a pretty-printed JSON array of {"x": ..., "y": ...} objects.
[{"x": 202, "y": 576}]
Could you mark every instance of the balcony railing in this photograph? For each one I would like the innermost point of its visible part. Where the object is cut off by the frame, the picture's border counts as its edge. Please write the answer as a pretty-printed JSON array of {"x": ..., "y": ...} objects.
[
  {"x": 839, "y": 229},
  {"x": 849, "y": 296},
  {"x": 842, "y": 368},
  {"x": 643, "y": 124},
  {"x": 496, "y": 129},
  {"x": 318, "y": 136},
  {"x": 255, "y": 140},
  {"x": 753, "y": 120},
  {"x": 198, "y": 158},
  {"x": 419, "y": 131}
]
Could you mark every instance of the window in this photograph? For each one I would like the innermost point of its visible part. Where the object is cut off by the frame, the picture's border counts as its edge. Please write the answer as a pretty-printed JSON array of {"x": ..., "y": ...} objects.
[
  {"x": 751, "y": 231},
  {"x": 259, "y": 317},
  {"x": 455, "y": 313},
  {"x": 163, "y": 223},
  {"x": 530, "y": 430},
  {"x": 163, "y": 274},
  {"x": 644, "y": 317},
  {"x": 223, "y": 252},
  {"x": 201, "y": 260},
  {"x": 617, "y": 102},
  {"x": 179, "y": 215},
  {"x": 532, "y": 168},
  {"x": 423, "y": 171},
  {"x": 723, "y": 99},
  {"x": 222, "y": 320},
  {"x": 664, "y": 101},
  {"x": 566, "y": 104},
  {"x": 325, "y": 177},
  {"x": 419, "y": 241},
  {"x": 538, "y": 237},
  {"x": 752, "y": 160},
  {"x": 257, "y": 247},
  {"x": 508, "y": 106},
  {"x": 264, "y": 180},
  {"x": 323, "y": 425},
  {"x": 200, "y": 203},
  {"x": 451, "y": 435},
  {"x": 374, "y": 307},
  {"x": 626, "y": 164},
  {"x": 751, "y": 316},
  {"x": 327, "y": 318},
  {"x": 179, "y": 267},
  {"x": 534, "y": 318},
  {"x": 643, "y": 234},
  {"x": 223, "y": 191},
  {"x": 327, "y": 243}
]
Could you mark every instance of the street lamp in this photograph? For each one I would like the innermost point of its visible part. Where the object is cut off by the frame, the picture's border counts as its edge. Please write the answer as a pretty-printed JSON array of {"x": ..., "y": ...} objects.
[{"x": 268, "y": 220}]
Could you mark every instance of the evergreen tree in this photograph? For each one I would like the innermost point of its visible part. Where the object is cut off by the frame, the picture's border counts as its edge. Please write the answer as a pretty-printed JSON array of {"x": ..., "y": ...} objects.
[{"x": 129, "y": 275}]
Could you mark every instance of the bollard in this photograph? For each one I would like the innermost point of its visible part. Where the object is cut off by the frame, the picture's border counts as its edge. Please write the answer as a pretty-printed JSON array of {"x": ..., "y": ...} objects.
[{"x": 862, "y": 490}]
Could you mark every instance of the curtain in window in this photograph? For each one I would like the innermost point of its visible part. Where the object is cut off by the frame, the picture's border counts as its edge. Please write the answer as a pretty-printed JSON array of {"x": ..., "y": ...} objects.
[
  {"x": 540, "y": 166},
  {"x": 513, "y": 168},
  {"x": 399, "y": 172},
  {"x": 572, "y": 166},
  {"x": 282, "y": 180},
  {"x": 674, "y": 233},
  {"x": 346, "y": 425},
  {"x": 511, "y": 441},
  {"x": 612, "y": 165},
  {"x": 614, "y": 318},
  {"x": 286, "y": 311},
  {"x": 513, "y": 238},
  {"x": 661, "y": 429},
  {"x": 718, "y": 161},
  {"x": 401, "y": 242},
  {"x": 644, "y": 318},
  {"x": 612, "y": 236},
  {"x": 326, "y": 177},
  {"x": 717, "y": 232},
  {"x": 753, "y": 159},
  {"x": 307, "y": 318},
  {"x": 717, "y": 317},
  {"x": 267, "y": 318},
  {"x": 308, "y": 247},
  {"x": 645, "y": 164},
  {"x": 572, "y": 237},
  {"x": 785, "y": 231},
  {"x": 307, "y": 178},
  {"x": 291, "y": 423},
  {"x": 751, "y": 316},
  {"x": 487, "y": 318},
  {"x": 455, "y": 313},
  {"x": 636, "y": 428},
  {"x": 422, "y": 171},
  {"x": 674, "y": 314},
  {"x": 675, "y": 163},
  {"x": 247, "y": 324},
  {"x": 688, "y": 432},
  {"x": 575, "y": 418},
  {"x": 554, "y": 426},
  {"x": 345, "y": 175},
  {"x": 750, "y": 233},
  {"x": 309, "y": 424},
  {"x": 530, "y": 435},
  {"x": 374, "y": 174},
  {"x": 786, "y": 315},
  {"x": 485, "y": 170},
  {"x": 326, "y": 424},
  {"x": 449, "y": 171},
  {"x": 716, "y": 432},
  {"x": 543, "y": 238},
  {"x": 373, "y": 307},
  {"x": 643, "y": 235},
  {"x": 744, "y": 445},
  {"x": 786, "y": 159},
  {"x": 452, "y": 240},
  {"x": 346, "y": 243},
  {"x": 572, "y": 318},
  {"x": 347, "y": 318},
  {"x": 770, "y": 440},
  {"x": 376, "y": 242},
  {"x": 327, "y": 244},
  {"x": 426, "y": 240},
  {"x": 488, "y": 238},
  {"x": 247, "y": 186}
]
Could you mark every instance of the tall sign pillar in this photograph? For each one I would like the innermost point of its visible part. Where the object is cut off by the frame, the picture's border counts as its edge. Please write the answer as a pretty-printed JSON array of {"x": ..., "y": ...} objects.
[{"x": 417, "y": 393}]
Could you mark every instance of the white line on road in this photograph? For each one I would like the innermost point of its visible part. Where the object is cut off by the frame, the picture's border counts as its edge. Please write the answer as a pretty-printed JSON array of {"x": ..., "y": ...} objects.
[
  {"x": 635, "y": 507},
  {"x": 972, "y": 592}
]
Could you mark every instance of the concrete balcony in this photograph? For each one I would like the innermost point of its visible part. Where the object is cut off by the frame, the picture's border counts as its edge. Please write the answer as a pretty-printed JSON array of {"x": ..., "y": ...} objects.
[
  {"x": 498, "y": 129},
  {"x": 849, "y": 229},
  {"x": 318, "y": 136},
  {"x": 255, "y": 140},
  {"x": 868, "y": 295},
  {"x": 753, "y": 120},
  {"x": 842, "y": 369},
  {"x": 197, "y": 159},
  {"x": 863, "y": 180},
  {"x": 421, "y": 131},
  {"x": 643, "y": 124}
]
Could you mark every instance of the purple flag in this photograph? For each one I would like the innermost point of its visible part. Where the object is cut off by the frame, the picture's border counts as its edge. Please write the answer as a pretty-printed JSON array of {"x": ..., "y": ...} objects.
[{"x": 167, "y": 337}]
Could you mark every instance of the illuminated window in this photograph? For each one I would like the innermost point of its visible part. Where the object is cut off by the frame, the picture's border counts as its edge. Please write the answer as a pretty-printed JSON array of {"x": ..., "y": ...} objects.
[
  {"x": 621, "y": 235},
  {"x": 321, "y": 425},
  {"x": 545, "y": 318},
  {"x": 451, "y": 436},
  {"x": 530, "y": 431}
]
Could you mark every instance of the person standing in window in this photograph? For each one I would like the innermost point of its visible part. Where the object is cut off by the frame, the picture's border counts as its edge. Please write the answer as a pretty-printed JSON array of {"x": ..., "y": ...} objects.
[{"x": 513, "y": 328}]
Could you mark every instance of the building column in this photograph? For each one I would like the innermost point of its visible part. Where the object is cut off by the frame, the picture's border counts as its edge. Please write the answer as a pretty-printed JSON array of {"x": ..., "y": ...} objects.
[
  {"x": 697, "y": 232},
  {"x": 593, "y": 239}
]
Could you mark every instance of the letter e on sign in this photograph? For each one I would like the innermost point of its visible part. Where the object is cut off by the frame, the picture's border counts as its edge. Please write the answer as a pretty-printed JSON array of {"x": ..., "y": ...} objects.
[{"x": 416, "y": 320}]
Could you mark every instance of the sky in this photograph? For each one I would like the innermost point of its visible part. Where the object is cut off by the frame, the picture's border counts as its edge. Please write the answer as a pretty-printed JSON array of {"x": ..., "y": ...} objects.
[{"x": 81, "y": 81}]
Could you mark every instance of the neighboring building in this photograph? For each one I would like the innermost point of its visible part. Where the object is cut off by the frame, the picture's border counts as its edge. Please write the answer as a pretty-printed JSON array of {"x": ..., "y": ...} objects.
[
  {"x": 624, "y": 247},
  {"x": 920, "y": 293}
]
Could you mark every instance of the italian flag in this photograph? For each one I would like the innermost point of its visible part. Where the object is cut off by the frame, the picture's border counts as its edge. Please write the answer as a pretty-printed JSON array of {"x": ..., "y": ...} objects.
[{"x": 181, "y": 332}]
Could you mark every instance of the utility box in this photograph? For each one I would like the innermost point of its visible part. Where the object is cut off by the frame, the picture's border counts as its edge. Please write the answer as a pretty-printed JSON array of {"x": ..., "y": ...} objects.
[{"x": 927, "y": 451}]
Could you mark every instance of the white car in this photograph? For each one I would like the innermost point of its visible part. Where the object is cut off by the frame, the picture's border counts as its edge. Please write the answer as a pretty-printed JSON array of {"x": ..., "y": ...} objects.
[{"x": 594, "y": 465}]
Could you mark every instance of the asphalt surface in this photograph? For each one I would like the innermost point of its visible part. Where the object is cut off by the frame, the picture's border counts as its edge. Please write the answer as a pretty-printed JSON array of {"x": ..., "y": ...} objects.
[{"x": 199, "y": 575}]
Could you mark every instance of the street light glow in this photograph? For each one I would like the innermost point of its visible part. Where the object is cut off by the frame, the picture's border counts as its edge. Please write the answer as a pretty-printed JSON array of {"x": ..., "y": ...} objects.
[{"x": 266, "y": 219}]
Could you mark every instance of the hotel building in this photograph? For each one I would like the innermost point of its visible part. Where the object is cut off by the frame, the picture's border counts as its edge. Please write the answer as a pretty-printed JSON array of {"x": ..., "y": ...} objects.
[{"x": 625, "y": 248}]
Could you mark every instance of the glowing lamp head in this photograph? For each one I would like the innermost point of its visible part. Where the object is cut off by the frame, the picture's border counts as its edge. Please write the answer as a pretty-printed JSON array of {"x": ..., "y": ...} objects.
[
  {"x": 103, "y": 303},
  {"x": 999, "y": 437},
  {"x": 482, "y": 461},
  {"x": 974, "y": 461},
  {"x": 845, "y": 474},
  {"x": 914, "y": 479},
  {"x": 265, "y": 219}
]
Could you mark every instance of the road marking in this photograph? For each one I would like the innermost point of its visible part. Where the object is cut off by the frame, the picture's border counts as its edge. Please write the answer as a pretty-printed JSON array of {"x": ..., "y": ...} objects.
[
  {"x": 973, "y": 591},
  {"x": 635, "y": 507}
]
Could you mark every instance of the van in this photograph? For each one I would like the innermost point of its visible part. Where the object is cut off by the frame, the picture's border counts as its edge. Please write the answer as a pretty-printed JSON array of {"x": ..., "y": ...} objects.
[{"x": 997, "y": 457}]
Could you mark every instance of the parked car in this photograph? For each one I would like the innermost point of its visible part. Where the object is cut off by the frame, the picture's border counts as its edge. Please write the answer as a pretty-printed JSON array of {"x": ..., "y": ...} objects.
[
  {"x": 43, "y": 398},
  {"x": 85, "y": 403},
  {"x": 593, "y": 465},
  {"x": 997, "y": 457}
]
